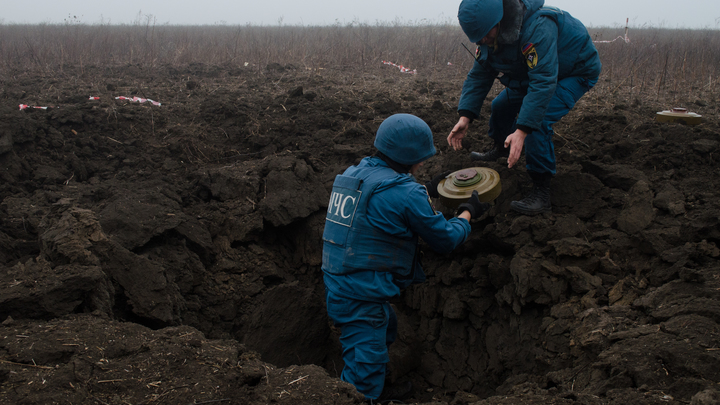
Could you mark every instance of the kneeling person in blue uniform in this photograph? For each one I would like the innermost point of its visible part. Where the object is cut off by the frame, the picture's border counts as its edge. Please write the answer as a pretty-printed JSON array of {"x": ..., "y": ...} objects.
[
  {"x": 546, "y": 60},
  {"x": 376, "y": 214}
]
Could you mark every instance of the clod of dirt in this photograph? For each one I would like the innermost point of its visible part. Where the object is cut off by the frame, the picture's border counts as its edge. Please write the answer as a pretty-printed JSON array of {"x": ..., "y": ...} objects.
[{"x": 296, "y": 92}]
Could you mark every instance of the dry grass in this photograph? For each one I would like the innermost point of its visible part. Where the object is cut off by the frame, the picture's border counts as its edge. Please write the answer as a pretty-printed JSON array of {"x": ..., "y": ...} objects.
[
  {"x": 52, "y": 47},
  {"x": 662, "y": 64}
]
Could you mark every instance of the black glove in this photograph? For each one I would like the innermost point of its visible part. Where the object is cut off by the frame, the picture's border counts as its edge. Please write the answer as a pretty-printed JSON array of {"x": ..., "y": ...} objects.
[
  {"x": 432, "y": 185},
  {"x": 473, "y": 206}
]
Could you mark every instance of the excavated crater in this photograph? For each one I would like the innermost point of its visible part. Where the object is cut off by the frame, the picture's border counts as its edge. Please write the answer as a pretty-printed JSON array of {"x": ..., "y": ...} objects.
[{"x": 173, "y": 252}]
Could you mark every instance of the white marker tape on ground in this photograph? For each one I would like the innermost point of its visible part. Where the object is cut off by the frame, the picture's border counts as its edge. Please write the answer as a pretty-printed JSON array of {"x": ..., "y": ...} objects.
[
  {"x": 623, "y": 38},
  {"x": 138, "y": 100}
]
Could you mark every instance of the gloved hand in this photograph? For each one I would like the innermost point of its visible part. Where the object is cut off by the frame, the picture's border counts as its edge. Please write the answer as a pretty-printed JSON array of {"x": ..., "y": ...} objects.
[
  {"x": 474, "y": 206},
  {"x": 432, "y": 185}
]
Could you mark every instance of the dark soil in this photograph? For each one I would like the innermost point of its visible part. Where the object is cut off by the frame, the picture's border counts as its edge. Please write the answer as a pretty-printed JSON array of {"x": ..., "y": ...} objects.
[{"x": 171, "y": 254}]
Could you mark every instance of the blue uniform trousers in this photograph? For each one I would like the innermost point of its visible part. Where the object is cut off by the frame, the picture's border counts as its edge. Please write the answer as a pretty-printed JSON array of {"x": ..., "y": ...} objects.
[
  {"x": 539, "y": 149},
  {"x": 367, "y": 330}
]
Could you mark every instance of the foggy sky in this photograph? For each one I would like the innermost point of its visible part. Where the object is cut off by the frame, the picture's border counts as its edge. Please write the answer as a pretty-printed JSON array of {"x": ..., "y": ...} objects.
[{"x": 609, "y": 13}]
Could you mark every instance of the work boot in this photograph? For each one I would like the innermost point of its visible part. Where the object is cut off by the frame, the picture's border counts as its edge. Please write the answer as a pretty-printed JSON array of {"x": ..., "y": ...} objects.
[
  {"x": 539, "y": 198},
  {"x": 395, "y": 392},
  {"x": 498, "y": 150}
]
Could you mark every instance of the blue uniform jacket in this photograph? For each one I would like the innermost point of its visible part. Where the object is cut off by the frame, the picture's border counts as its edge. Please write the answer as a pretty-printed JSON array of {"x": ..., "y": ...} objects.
[
  {"x": 399, "y": 208},
  {"x": 552, "y": 45}
]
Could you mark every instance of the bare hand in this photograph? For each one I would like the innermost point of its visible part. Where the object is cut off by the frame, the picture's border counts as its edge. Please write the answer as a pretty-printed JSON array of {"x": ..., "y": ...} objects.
[
  {"x": 458, "y": 133},
  {"x": 515, "y": 142}
]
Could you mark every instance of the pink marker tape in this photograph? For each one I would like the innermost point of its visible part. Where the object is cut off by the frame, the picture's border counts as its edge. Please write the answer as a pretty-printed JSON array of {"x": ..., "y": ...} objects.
[
  {"x": 402, "y": 68},
  {"x": 24, "y": 106}
]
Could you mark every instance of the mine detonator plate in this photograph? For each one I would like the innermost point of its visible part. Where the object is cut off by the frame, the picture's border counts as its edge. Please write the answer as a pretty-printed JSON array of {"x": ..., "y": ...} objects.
[{"x": 458, "y": 186}]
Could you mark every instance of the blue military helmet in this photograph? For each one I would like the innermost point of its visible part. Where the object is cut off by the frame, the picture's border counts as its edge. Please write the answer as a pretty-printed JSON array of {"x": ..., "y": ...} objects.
[
  {"x": 405, "y": 139},
  {"x": 478, "y": 17}
]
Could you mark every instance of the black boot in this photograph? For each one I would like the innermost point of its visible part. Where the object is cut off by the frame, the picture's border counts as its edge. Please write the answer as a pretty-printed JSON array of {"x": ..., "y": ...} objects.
[
  {"x": 539, "y": 199},
  {"x": 498, "y": 150}
]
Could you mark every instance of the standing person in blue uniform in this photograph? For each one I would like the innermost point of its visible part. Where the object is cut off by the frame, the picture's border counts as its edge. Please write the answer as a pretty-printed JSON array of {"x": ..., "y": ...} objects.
[
  {"x": 376, "y": 214},
  {"x": 546, "y": 60}
]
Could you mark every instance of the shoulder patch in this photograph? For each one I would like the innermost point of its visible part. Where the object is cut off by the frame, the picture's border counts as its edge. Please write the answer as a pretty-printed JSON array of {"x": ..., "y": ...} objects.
[{"x": 531, "y": 55}]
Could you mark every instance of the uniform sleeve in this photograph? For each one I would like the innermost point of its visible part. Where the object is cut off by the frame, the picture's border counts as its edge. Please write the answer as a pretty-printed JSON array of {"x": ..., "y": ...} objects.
[
  {"x": 441, "y": 234},
  {"x": 477, "y": 84},
  {"x": 405, "y": 210},
  {"x": 539, "y": 44}
]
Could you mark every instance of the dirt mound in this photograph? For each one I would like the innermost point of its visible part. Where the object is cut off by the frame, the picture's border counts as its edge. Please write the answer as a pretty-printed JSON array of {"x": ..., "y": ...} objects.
[
  {"x": 91, "y": 359},
  {"x": 171, "y": 254}
]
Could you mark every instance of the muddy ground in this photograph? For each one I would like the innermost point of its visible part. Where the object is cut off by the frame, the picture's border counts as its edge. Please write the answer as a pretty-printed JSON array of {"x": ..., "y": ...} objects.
[{"x": 171, "y": 254}]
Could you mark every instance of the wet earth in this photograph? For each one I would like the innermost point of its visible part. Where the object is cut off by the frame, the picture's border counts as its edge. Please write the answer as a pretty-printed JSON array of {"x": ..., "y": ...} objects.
[{"x": 171, "y": 254}]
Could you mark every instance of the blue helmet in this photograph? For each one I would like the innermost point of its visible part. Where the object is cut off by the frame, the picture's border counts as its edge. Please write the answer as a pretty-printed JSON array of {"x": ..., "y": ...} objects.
[
  {"x": 405, "y": 139},
  {"x": 478, "y": 17}
]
